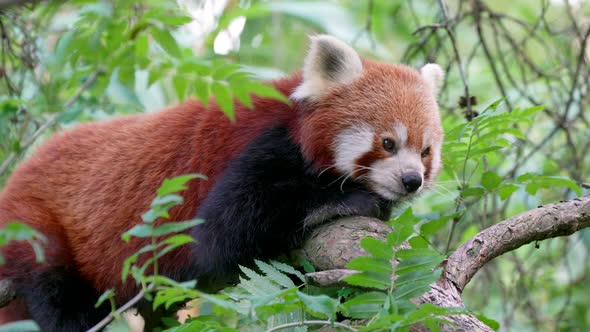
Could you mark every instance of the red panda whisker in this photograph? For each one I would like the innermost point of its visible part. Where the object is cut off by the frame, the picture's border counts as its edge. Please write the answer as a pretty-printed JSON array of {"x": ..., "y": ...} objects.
[
  {"x": 326, "y": 169},
  {"x": 346, "y": 178},
  {"x": 438, "y": 186},
  {"x": 366, "y": 167},
  {"x": 342, "y": 184}
]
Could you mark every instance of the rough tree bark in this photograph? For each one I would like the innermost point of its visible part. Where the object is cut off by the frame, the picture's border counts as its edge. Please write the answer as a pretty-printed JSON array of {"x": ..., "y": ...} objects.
[{"x": 332, "y": 245}]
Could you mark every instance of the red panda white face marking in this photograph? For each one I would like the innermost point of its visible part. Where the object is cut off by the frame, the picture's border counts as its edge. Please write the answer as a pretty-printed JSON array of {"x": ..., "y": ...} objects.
[
  {"x": 374, "y": 122},
  {"x": 350, "y": 145}
]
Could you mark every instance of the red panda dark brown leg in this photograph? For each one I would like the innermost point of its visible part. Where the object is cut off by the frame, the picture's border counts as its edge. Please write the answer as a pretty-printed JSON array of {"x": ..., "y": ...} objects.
[{"x": 58, "y": 300}]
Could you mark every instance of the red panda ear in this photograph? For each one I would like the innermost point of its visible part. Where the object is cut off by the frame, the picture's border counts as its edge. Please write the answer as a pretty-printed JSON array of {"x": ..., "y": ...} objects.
[
  {"x": 329, "y": 62},
  {"x": 433, "y": 75}
]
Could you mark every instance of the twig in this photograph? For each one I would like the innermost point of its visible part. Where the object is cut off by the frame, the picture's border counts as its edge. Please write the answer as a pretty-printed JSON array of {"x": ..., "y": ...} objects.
[
  {"x": 451, "y": 34},
  {"x": 122, "y": 309}
]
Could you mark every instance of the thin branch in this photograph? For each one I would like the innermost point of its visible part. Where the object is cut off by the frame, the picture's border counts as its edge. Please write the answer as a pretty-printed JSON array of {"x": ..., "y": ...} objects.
[
  {"x": 122, "y": 309},
  {"x": 460, "y": 65}
]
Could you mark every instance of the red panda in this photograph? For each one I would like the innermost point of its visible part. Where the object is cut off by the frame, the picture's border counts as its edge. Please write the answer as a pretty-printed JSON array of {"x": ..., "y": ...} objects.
[{"x": 357, "y": 137}]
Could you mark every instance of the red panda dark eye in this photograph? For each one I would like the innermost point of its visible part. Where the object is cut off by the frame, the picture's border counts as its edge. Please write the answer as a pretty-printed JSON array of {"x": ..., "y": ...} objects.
[
  {"x": 389, "y": 145},
  {"x": 425, "y": 152}
]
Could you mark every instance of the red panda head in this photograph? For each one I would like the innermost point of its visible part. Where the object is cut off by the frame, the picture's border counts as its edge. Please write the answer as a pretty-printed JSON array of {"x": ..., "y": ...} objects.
[{"x": 375, "y": 122}]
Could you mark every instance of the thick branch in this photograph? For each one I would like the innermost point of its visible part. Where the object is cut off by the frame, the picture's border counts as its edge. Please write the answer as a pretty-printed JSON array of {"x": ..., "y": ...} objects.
[{"x": 6, "y": 292}]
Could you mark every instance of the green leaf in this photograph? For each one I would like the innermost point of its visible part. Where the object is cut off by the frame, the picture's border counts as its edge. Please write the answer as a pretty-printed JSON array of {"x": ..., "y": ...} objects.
[
  {"x": 507, "y": 190},
  {"x": 400, "y": 234},
  {"x": 494, "y": 325},
  {"x": 170, "y": 199},
  {"x": 415, "y": 289},
  {"x": 20, "y": 326},
  {"x": 180, "y": 86},
  {"x": 472, "y": 191},
  {"x": 319, "y": 305},
  {"x": 141, "y": 230},
  {"x": 220, "y": 300},
  {"x": 224, "y": 71},
  {"x": 274, "y": 274},
  {"x": 434, "y": 226},
  {"x": 203, "y": 90},
  {"x": 418, "y": 242},
  {"x": 108, "y": 294},
  {"x": 154, "y": 76},
  {"x": 535, "y": 181},
  {"x": 369, "y": 280},
  {"x": 201, "y": 326},
  {"x": 16, "y": 231},
  {"x": 364, "y": 306},
  {"x": 267, "y": 91},
  {"x": 194, "y": 68},
  {"x": 490, "y": 180},
  {"x": 38, "y": 250},
  {"x": 223, "y": 97},
  {"x": 169, "y": 296},
  {"x": 127, "y": 264},
  {"x": 175, "y": 227},
  {"x": 418, "y": 252},
  {"x": 176, "y": 184},
  {"x": 165, "y": 18},
  {"x": 370, "y": 264},
  {"x": 530, "y": 111},
  {"x": 166, "y": 41},
  {"x": 410, "y": 264},
  {"x": 142, "y": 50},
  {"x": 288, "y": 269},
  {"x": 178, "y": 240},
  {"x": 424, "y": 276},
  {"x": 377, "y": 248},
  {"x": 256, "y": 284},
  {"x": 242, "y": 93}
]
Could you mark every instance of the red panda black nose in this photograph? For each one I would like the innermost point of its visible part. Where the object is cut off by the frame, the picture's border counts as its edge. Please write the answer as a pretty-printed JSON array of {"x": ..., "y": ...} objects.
[{"x": 412, "y": 181}]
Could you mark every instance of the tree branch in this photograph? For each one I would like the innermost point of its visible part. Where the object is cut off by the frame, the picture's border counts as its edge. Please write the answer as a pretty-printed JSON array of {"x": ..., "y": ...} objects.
[{"x": 560, "y": 219}]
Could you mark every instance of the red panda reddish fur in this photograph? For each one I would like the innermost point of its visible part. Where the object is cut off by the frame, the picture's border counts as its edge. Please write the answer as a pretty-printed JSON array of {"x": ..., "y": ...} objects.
[{"x": 86, "y": 186}]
